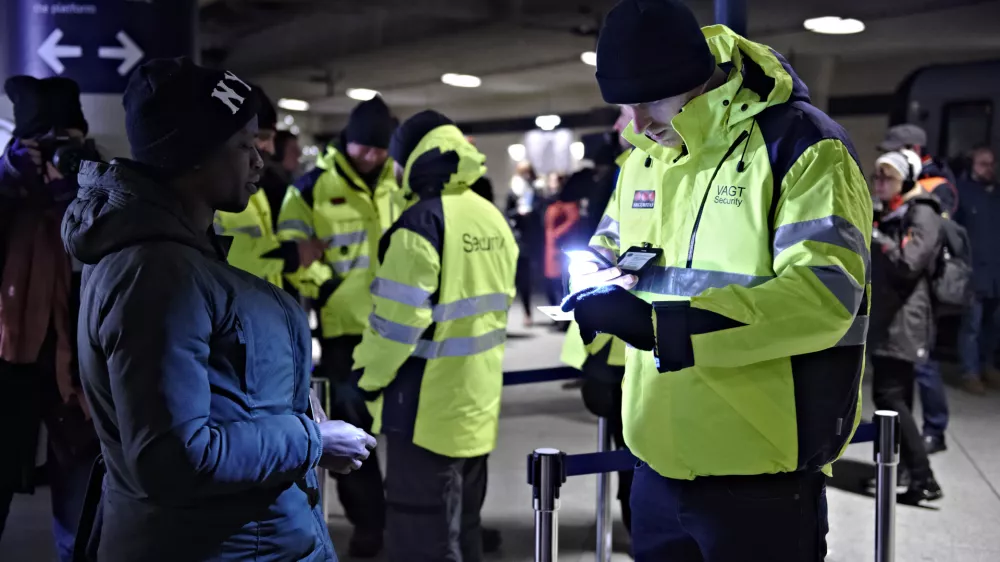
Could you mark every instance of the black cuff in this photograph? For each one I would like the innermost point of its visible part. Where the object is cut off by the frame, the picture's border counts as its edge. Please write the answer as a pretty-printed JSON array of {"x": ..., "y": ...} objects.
[
  {"x": 289, "y": 253},
  {"x": 326, "y": 290},
  {"x": 676, "y": 322},
  {"x": 368, "y": 395}
]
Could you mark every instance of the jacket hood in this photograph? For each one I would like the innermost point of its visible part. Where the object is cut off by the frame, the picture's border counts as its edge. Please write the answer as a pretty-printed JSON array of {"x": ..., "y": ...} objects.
[
  {"x": 120, "y": 206},
  {"x": 444, "y": 153},
  {"x": 758, "y": 78}
]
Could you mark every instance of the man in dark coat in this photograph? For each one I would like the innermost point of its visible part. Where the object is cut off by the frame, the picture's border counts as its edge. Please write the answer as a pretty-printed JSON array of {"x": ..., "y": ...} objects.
[
  {"x": 197, "y": 373},
  {"x": 979, "y": 212}
]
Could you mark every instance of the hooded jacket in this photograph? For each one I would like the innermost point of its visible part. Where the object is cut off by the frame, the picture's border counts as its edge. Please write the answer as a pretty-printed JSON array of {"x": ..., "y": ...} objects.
[
  {"x": 335, "y": 204},
  {"x": 197, "y": 375},
  {"x": 904, "y": 257},
  {"x": 432, "y": 355},
  {"x": 760, "y": 296}
]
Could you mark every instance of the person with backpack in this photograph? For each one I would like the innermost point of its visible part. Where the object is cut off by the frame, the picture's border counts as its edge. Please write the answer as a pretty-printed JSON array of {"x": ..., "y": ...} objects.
[
  {"x": 937, "y": 179},
  {"x": 906, "y": 241}
]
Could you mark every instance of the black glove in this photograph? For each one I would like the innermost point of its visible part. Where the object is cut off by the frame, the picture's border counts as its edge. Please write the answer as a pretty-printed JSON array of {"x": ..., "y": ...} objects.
[{"x": 612, "y": 310}]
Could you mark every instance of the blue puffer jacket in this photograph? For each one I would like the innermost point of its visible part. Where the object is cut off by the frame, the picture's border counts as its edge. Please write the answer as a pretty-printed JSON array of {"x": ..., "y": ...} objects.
[{"x": 197, "y": 374}]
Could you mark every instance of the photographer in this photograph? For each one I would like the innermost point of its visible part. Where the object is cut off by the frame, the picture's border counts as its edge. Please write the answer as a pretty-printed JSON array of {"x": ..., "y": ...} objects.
[{"x": 39, "y": 302}]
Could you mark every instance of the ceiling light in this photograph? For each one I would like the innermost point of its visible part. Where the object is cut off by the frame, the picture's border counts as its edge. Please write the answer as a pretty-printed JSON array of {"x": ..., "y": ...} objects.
[
  {"x": 547, "y": 122},
  {"x": 294, "y": 129},
  {"x": 461, "y": 80},
  {"x": 289, "y": 120},
  {"x": 361, "y": 94},
  {"x": 834, "y": 25},
  {"x": 577, "y": 150},
  {"x": 589, "y": 57},
  {"x": 517, "y": 152},
  {"x": 290, "y": 104}
]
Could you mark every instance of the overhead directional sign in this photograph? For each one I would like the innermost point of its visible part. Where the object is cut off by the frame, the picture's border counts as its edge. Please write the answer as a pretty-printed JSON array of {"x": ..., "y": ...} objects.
[{"x": 96, "y": 42}]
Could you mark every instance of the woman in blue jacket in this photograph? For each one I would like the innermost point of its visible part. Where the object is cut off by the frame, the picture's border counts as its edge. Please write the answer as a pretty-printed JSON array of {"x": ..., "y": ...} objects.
[{"x": 197, "y": 373}]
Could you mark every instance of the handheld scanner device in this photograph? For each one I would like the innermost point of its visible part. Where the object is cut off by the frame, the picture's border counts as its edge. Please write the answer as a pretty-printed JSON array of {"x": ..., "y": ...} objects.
[{"x": 637, "y": 259}]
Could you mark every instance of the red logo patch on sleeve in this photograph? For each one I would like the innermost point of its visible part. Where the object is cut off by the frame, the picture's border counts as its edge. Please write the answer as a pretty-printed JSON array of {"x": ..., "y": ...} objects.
[{"x": 645, "y": 199}]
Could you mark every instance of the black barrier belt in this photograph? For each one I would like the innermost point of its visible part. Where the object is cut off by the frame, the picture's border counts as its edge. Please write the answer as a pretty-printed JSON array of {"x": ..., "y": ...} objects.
[
  {"x": 623, "y": 460},
  {"x": 540, "y": 375}
]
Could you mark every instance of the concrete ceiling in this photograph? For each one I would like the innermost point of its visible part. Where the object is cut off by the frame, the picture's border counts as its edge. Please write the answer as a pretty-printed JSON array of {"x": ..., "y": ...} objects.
[{"x": 527, "y": 52}]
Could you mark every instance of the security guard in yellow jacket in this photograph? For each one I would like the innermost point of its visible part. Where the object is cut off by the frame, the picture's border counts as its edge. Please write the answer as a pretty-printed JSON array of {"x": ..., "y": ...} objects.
[
  {"x": 347, "y": 202},
  {"x": 747, "y": 332},
  {"x": 255, "y": 246},
  {"x": 431, "y": 359}
]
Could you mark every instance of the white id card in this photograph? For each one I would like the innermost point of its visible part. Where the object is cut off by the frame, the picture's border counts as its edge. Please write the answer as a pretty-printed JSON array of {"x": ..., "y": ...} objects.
[{"x": 556, "y": 313}]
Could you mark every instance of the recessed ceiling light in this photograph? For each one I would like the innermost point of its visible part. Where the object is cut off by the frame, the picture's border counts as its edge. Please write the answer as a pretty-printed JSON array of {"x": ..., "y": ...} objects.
[
  {"x": 589, "y": 57},
  {"x": 461, "y": 80},
  {"x": 517, "y": 152},
  {"x": 547, "y": 122},
  {"x": 294, "y": 129},
  {"x": 361, "y": 94},
  {"x": 834, "y": 25},
  {"x": 290, "y": 104},
  {"x": 577, "y": 150}
]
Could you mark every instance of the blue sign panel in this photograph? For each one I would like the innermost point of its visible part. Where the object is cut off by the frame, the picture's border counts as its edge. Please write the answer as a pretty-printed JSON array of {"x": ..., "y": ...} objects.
[{"x": 96, "y": 42}]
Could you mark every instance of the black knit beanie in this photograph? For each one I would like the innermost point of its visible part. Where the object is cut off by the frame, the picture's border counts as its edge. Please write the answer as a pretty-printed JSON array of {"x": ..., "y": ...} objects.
[
  {"x": 267, "y": 116},
  {"x": 178, "y": 113},
  {"x": 370, "y": 124},
  {"x": 649, "y": 50},
  {"x": 412, "y": 131},
  {"x": 43, "y": 105}
]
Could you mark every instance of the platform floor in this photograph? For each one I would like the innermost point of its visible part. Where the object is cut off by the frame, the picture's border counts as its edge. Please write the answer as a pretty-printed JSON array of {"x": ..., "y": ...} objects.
[{"x": 962, "y": 527}]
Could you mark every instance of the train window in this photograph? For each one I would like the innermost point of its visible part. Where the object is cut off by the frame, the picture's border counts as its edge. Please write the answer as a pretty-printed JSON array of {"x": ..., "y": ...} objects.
[{"x": 965, "y": 125}]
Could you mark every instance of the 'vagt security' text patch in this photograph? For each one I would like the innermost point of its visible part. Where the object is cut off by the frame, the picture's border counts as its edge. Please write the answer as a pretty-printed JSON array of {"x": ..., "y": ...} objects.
[{"x": 645, "y": 199}]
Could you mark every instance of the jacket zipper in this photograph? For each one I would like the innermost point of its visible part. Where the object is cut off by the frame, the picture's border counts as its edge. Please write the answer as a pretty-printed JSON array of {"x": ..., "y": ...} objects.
[{"x": 708, "y": 189}]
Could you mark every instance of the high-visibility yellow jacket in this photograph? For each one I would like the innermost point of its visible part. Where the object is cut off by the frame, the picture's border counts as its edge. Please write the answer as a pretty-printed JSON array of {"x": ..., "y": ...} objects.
[
  {"x": 574, "y": 351},
  {"x": 764, "y": 219},
  {"x": 433, "y": 351},
  {"x": 253, "y": 237},
  {"x": 334, "y": 204}
]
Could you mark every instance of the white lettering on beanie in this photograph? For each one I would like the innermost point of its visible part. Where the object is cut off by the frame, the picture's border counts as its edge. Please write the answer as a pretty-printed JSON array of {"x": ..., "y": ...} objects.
[{"x": 223, "y": 92}]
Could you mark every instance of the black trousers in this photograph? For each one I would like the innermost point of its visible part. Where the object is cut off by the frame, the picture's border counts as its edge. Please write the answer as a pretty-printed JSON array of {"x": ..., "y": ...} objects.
[
  {"x": 434, "y": 504},
  {"x": 770, "y": 518},
  {"x": 522, "y": 281},
  {"x": 892, "y": 389},
  {"x": 361, "y": 491},
  {"x": 604, "y": 398}
]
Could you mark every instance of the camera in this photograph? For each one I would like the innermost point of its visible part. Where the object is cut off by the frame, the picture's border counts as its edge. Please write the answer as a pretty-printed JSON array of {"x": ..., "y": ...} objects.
[{"x": 66, "y": 152}]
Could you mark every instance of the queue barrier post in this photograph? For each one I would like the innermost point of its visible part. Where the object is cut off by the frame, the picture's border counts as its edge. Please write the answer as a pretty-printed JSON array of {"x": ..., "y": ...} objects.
[
  {"x": 886, "y": 460},
  {"x": 321, "y": 387},
  {"x": 604, "y": 522},
  {"x": 546, "y": 474}
]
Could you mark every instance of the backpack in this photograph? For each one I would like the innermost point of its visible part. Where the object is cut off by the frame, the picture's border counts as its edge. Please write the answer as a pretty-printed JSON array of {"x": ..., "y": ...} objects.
[{"x": 951, "y": 283}]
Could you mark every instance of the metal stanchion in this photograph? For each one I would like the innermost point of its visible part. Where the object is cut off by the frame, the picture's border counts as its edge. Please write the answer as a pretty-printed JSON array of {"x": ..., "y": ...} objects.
[
  {"x": 604, "y": 523},
  {"x": 322, "y": 389},
  {"x": 886, "y": 461},
  {"x": 546, "y": 475}
]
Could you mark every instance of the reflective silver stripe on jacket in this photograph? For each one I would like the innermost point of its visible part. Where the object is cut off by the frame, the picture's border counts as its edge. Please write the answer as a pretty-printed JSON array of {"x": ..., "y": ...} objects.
[
  {"x": 344, "y": 266},
  {"x": 685, "y": 282},
  {"x": 253, "y": 231},
  {"x": 297, "y": 225},
  {"x": 610, "y": 229},
  {"x": 419, "y": 298},
  {"x": 347, "y": 238},
  {"x": 857, "y": 334},
  {"x": 394, "y": 331},
  {"x": 400, "y": 292},
  {"x": 460, "y": 347},
  {"x": 829, "y": 230},
  {"x": 841, "y": 284},
  {"x": 472, "y": 306}
]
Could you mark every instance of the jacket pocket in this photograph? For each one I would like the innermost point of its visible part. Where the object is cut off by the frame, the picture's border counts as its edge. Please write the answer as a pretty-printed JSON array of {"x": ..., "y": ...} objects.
[{"x": 231, "y": 356}]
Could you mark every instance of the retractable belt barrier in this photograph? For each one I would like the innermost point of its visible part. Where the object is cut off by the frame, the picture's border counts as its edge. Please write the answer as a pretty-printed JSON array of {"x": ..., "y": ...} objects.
[{"x": 548, "y": 469}]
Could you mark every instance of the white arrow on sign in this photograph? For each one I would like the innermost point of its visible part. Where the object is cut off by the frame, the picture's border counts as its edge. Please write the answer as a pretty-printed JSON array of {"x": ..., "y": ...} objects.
[
  {"x": 51, "y": 51},
  {"x": 129, "y": 53}
]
